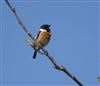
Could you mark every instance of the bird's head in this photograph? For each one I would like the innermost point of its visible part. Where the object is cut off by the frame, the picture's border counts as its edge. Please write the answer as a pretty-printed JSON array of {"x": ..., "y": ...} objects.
[{"x": 45, "y": 27}]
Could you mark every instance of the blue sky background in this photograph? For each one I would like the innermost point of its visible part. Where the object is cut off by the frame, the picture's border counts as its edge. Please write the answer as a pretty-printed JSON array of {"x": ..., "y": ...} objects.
[{"x": 74, "y": 42}]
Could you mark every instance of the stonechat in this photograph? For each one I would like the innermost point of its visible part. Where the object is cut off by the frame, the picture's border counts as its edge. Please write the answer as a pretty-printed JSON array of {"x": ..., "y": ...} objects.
[{"x": 42, "y": 38}]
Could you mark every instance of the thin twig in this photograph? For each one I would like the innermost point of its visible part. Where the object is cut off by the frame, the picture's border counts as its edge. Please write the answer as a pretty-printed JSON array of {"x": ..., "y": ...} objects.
[
  {"x": 19, "y": 20},
  {"x": 44, "y": 52}
]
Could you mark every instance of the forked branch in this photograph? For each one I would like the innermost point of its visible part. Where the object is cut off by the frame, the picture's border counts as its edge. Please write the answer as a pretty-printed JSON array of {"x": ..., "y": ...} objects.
[{"x": 44, "y": 52}]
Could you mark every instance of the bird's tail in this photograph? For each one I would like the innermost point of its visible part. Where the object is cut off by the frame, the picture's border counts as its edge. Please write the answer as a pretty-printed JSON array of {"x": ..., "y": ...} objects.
[{"x": 34, "y": 56}]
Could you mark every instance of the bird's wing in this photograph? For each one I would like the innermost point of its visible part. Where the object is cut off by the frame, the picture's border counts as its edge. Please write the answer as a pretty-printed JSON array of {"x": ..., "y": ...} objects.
[{"x": 36, "y": 37}]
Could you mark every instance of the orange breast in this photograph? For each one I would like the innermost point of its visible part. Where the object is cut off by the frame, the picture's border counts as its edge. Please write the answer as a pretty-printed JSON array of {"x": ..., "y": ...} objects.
[{"x": 44, "y": 38}]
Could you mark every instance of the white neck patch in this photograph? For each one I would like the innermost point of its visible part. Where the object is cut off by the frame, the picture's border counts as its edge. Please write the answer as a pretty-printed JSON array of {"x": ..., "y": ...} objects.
[{"x": 42, "y": 30}]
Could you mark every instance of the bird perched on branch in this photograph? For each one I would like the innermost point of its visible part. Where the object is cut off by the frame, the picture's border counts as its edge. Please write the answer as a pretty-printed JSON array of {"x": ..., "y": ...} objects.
[{"x": 42, "y": 38}]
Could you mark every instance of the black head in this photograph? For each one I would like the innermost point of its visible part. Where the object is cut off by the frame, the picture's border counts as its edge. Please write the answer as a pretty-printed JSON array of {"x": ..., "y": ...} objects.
[{"x": 46, "y": 27}]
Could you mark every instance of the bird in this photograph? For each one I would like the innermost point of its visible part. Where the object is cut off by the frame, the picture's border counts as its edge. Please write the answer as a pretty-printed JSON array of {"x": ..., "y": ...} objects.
[{"x": 42, "y": 38}]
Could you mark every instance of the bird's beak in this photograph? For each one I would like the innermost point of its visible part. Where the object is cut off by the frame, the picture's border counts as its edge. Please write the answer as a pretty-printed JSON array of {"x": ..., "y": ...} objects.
[{"x": 49, "y": 25}]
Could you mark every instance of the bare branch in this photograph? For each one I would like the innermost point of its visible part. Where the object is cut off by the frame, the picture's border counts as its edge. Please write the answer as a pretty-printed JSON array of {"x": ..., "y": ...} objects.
[
  {"x": 19, "y": 20},
  {"x": 44, "y": 52}
]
